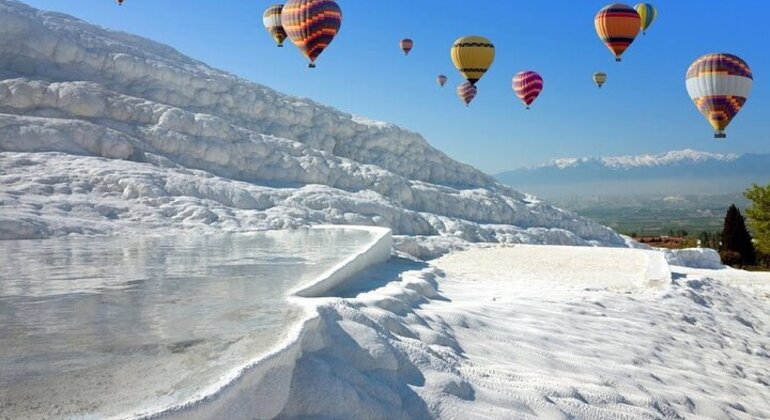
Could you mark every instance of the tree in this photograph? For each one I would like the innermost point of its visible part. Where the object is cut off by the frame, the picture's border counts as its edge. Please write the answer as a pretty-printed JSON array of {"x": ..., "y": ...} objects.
[
  {"x": 759, "y": 215},
  {"x": 736, "y": 238}
]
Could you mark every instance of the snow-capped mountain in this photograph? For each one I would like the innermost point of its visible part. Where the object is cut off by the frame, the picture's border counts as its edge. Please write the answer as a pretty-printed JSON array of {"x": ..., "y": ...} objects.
[
  {"x": 102, "y": 131},
  {"x": 676, "y": 157},
  {"x": 674, "y": 172}
]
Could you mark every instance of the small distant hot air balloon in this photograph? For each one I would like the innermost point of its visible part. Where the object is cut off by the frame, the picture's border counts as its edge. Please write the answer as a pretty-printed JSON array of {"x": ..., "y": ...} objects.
[
  {"x": 311, "y": 25},
  {"x": 647, "y": 14},
  {"x": 527, "y": 85},
  {"x": 441, "y": 79},
  {"x": 272, "y": 21},
  {"x": 406, "y": 45},
  {"x": 599, "y": 78},
  {"x": 466, "y": 91},
  {"x": 719, "y": 84},
  {"x": 472, "y": 56},
  {"x": 617, "y": 25}
]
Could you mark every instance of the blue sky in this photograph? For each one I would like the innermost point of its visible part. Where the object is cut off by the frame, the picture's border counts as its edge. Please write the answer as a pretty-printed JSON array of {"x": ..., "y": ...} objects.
[{"x": 643, "y": 108}]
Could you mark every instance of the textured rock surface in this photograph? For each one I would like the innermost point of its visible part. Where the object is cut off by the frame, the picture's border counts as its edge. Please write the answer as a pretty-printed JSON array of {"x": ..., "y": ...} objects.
[{"x": 125, "y": 123}]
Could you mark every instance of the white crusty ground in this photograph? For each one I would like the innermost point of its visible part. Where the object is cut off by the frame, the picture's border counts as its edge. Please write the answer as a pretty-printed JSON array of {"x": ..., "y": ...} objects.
[{"x": 540, "y": 332}]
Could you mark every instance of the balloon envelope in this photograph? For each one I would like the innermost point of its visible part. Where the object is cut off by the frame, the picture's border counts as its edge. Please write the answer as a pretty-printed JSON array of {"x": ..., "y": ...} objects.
[
  {"x": 311, "y": 25},
  {"x": 599, "y": 78},
  {"x": 406, "y": 45},
  {"x": 527, "y": 85},
  {"x": 472, "y": 56},
  {"x": 272, "y": 21},
  {"x": 441, "y": 79},
  {"x": 719, "y": 85},
  {"x": 617, "y": 26},
  {"x": 647, "y": 14},
  {"x": 466, "y": 91}
]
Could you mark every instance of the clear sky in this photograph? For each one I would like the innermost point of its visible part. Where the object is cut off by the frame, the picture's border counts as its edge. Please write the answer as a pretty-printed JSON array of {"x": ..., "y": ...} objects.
[{"x": 643, "y": 108}]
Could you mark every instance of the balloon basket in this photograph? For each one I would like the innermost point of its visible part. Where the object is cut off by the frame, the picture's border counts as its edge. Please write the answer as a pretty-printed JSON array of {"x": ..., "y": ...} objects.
[
  {"x": 720, "y": 135},
  {"x": 617, "y": 59},
  {"x": 311, "y": 65}
]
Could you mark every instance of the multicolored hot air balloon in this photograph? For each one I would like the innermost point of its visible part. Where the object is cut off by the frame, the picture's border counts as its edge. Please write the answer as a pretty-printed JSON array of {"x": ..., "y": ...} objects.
[
  {"x": 472, "y": 55},
  {"x": 272, "y": 21},
  {"x": 311, "y": 25},
  {"x": 466, "y": 91},
  {"x": 647, "y": 14},
  {"x": 599, "y": 78},
  {"x": 527, "y": 85},
  {"x": 441, "y": 79},
  {"x": 617, "y": 25},
  {"x": 719, "y": 84},
  {"x": 406, "y": 45}
]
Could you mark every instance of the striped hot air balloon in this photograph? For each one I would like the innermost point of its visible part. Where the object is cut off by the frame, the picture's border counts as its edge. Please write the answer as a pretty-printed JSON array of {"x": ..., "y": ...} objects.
[
  {"x": 406, "y": 45},
  {"x": 719, "y": 84},
  {"x": 441, "y": 79},
  {"x": 472, "y": 55},
  {"x": 647, "y": 14},
  {"x": 466, "y": 91},
  {"x": 527, "y": 85},
  {"x": 599, "y": 78},
  {"x": 617, "y": 25},
  {"x": 311, "y": 25},
  {"x": 272, "y": 21}
]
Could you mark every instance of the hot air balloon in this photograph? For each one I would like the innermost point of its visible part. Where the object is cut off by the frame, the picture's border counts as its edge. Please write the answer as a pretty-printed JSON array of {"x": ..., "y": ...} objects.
[
  {"x": 406, "y": 45},
  {"x": 527, "y": 85},
  {"x": 473, "y": 55},
  {"x": 647, "y": 14},
  {"x": 466, "y": 91},
  {"x": 441, "y": 79},
  {"x": 272, "y": 21},
  {"x": 119, "y": 2},
  {"x": 311, "y": 25},
  {"x": 719, "y": 84},
  {"x": 599, "y": 78},
  {"x": 617, "y": 25}
]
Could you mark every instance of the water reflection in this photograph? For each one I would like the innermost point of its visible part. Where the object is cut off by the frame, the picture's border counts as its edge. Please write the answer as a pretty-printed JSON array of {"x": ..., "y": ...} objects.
[{"x": 166, "y": 315}]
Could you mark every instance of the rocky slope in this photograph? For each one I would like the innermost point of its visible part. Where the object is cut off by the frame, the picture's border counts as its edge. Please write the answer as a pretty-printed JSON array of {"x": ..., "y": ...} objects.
[{"x": 102, "y": 131}]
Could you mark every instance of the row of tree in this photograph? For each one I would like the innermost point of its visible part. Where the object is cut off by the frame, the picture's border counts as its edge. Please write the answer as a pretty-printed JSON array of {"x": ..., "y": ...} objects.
[{"x": 736, "y": 245}]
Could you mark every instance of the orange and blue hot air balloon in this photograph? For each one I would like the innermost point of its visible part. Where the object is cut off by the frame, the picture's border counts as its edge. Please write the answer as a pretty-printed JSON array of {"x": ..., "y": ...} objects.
[
  {"x": 719, "y": 85},
  {"x": 466, "y": 91},
  {"x": 311, "y": 25},
  {"x": 527, "y": 85},
  {"x": 617, "y": 25},
  {"x": 406, "y": 45}
]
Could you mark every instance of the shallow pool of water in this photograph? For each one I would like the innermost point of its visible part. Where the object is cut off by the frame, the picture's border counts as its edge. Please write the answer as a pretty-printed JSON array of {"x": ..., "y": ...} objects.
[{"x": 107, "y": 325}]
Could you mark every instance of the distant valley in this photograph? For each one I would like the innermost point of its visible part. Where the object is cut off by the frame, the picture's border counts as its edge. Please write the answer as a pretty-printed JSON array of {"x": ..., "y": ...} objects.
[{"x": 647, "y": 194}]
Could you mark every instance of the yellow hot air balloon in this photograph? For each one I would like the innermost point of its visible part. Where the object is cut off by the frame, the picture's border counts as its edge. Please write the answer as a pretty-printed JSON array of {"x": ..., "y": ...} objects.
[
  {"x": 647, "y": 13},
  {"x": 472, "y": 55},
  {"x": 599, "y": 78}
]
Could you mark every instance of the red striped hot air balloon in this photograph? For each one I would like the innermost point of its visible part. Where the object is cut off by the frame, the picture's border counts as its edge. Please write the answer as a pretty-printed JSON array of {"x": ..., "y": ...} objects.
[
  {"x": 617, "y": 25},
  {"x": 527, "y": 85},
  {"x": 466, "y": 91},
  {"x": 719, "y": 85},
  {"x": 441, "y": 80},
  {"x": 311, "y": 25},
  {"x": 406, "y": 45}
]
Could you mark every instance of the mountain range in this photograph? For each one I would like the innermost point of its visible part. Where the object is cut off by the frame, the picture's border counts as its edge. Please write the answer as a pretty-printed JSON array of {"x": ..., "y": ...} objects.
[{"x": 675, "y": 172}]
